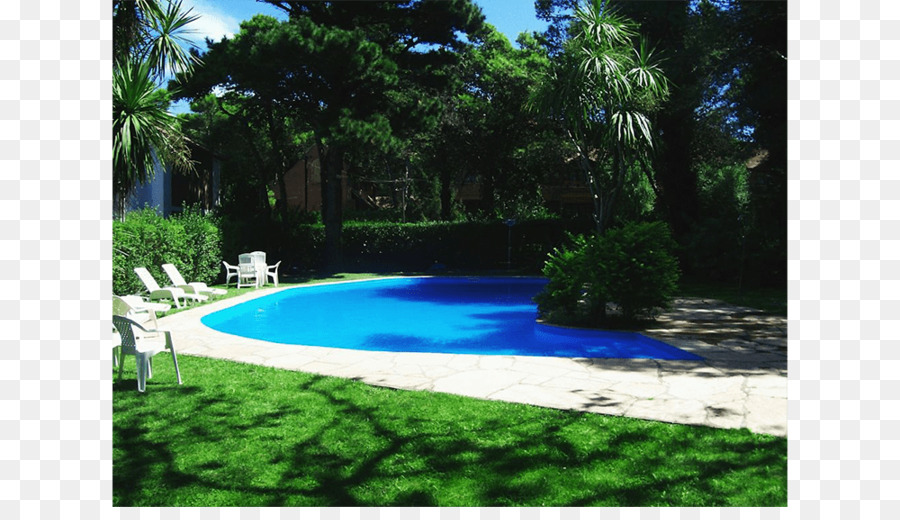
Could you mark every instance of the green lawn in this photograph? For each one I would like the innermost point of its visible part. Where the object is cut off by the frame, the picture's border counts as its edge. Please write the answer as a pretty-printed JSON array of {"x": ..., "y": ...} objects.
[{"x": 243, "y": 435}]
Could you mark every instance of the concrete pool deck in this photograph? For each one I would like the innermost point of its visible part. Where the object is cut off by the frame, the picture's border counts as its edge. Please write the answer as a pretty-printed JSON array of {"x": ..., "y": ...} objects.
[{"x": 740, "y": 383}]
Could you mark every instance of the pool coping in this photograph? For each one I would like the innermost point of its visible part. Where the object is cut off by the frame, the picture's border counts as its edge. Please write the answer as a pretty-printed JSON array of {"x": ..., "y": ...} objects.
[{"x": 740, "y": 382}]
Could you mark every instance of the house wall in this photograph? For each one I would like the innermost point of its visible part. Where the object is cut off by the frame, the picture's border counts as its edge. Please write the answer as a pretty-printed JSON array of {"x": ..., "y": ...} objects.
[
  {"x": 156, "y": 193},
  {"x": 303, "y": 184},
  {"x": 167, "y": 190}
]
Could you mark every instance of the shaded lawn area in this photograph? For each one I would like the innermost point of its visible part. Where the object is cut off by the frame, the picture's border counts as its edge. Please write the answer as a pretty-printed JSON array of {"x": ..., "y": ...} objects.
[
  {"x": 243, "y": 435},
  {"x": 766, "y": 299}
]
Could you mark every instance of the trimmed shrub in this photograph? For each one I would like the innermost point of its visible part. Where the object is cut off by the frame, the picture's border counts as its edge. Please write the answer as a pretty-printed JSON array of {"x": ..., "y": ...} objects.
[
  {"x": 191, "y": 241},
  {"x": 458, "y": 245},
  {"x": 632, "y": 267},
  {"x": 388, "y": 246}
]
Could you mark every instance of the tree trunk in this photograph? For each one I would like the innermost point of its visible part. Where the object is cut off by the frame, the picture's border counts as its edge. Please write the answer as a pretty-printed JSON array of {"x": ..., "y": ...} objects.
[
  {"x": 331, "y": 162},
  {"x": 596, "y": 196},
  {"x": 446, "y": 195}
]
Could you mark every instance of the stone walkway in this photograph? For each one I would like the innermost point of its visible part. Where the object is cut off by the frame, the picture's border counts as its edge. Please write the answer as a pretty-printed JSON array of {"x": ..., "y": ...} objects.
[{"x": 741, "y": 383}]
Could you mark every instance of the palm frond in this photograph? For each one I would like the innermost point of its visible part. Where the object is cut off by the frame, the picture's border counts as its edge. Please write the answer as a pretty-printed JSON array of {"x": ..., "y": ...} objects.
[{"x": 166, "y": 50}]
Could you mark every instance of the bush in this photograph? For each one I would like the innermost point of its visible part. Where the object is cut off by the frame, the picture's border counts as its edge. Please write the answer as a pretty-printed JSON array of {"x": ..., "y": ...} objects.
[
  {"x": 565, "y": 270},
  {"x": 638, "y": 268},
  {"x": 191, "y": 241},
  {"x": 632, "y": 267}
]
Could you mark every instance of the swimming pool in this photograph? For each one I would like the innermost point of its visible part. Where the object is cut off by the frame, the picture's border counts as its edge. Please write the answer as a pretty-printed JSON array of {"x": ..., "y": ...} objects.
[{"x": 493, "y": 316}]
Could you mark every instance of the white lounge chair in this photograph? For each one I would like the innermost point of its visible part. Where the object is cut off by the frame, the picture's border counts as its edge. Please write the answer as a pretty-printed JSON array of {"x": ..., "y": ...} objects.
[
  {"x": 165, "y": 293},
  {"x": 143, "y": 344},
  {"x": 198, "y": 287}
]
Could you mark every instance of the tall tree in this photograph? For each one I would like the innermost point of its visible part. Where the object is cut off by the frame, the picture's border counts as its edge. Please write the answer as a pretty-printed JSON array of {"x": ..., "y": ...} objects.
[
  {"x": 761, "y": 91},
  {"x": 337, "y": 67},
  {"x": 604, "y": 90},
  {"x": 149, "y": 42}
]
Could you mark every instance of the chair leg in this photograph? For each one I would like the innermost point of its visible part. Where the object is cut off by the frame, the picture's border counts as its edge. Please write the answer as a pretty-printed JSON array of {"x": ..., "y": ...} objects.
[
  {"x": 171, "y": 348},
  {"x": 177, "y": 372},
  {"x": 142, "y": 365},
  {"x": 121, "y": 365}
]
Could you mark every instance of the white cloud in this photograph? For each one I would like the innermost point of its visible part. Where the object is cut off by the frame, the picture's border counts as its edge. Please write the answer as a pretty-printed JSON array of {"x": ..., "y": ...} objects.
[{"x": 214, "y": 22}]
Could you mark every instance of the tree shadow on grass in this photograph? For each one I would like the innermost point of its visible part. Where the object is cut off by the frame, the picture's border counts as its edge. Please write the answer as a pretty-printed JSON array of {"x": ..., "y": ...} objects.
[{"x": 307, "y": 440}]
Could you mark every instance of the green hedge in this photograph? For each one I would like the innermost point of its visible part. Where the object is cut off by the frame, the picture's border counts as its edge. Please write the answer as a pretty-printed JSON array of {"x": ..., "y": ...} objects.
[
  {"x": 197, "y": 244},
  {"x": 455, "y": 245},
  {"x": 386, "y": 246},
  {"x": 192, "y": 241}
]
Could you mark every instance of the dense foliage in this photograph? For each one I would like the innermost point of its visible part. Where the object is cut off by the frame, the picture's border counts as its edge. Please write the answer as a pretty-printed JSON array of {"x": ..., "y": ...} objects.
[
  {"x": 192, "y": 241},
  {"x": 631, "y": 271},
  {"x": 450, "y": 128}
]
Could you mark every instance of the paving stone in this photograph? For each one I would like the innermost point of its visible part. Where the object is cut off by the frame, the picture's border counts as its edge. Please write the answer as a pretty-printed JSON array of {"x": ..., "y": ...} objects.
[
  {"x": 768, "y": 385},
  {"x": 495, "y": 362},
  {"x": 729, "y": 414},
  {"x": 477, "y": 383},
  {"x": 463, "y": 362},
  {"x": 608, "y": 403},
  {"x": 541, "y": 396},
  {"x": 711, "y": 388},
  {"x": 548, "y": 367},
  {"x": 682, "y": 411},
  {"x": 578, "y": 384},
  {"x": 767, "y": 414},
  {"x": 639, "y": 390},
  {"x": 398, "y": 381}
]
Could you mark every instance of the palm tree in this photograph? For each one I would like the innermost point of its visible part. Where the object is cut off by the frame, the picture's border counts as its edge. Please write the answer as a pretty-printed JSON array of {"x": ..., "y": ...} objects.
[
  {"x": 149, "y": 44},
  {"x": 603, "y": 91}
]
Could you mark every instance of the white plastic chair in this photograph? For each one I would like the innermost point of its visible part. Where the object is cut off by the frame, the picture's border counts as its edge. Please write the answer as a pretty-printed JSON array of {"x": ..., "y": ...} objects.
[
  {"x": 165, "y": 293},
  {"x": 231, "y": 271},
  {"x": 198, "y": 287},
  {"x": 134, "y": 307},
  {"x": 272, "y": 273},
  {"x": 143, "y": 344},
  {"x": 247, "y": 276},
  {"x": 257, "y": 264}
]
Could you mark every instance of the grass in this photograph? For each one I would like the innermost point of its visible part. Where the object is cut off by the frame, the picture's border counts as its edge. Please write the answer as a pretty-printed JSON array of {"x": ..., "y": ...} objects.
[{"x": 243, "y": 435}]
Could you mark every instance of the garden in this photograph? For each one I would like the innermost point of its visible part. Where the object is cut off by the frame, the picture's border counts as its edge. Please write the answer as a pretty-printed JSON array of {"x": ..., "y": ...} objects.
[{"x": 632, "y": 155}]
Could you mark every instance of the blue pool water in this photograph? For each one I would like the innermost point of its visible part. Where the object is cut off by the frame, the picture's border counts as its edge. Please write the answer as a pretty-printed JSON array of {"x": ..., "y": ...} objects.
[{"x": 450, "y": 315}]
